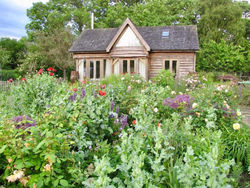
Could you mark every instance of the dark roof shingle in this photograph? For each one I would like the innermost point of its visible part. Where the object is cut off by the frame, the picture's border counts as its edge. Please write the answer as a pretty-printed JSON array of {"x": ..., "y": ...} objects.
[{"x": 180, "y": 38}]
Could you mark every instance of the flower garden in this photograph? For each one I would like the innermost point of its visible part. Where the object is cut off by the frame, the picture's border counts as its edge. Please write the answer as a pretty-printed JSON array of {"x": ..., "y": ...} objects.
[{"x": 122, "y": 132}]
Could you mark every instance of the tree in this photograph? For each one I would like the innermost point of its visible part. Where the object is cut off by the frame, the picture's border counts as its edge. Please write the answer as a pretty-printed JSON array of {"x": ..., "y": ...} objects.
[
  {"x": 222, "y": 57},
  {"x": 220, "y": 20},
  {"x": 4, "y": 58},
  {"x": 16, "y": 50},
  {"x": 54, "y": 46}
]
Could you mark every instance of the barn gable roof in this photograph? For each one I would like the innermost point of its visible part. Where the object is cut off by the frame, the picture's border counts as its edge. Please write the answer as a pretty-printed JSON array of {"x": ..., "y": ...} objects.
[{"x": 180, "y": 38}]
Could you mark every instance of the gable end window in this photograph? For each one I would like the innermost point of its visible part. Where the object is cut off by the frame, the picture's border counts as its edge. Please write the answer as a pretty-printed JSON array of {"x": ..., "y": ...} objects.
[{"x": 171, "y": 65}]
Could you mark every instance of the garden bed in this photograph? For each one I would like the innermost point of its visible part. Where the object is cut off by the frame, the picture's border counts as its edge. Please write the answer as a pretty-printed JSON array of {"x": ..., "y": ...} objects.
[{"x": 122, "y": 132}]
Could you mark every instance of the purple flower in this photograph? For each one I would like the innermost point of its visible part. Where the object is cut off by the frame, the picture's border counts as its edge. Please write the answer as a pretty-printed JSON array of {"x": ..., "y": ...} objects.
[
  {"x": 112, "y": 105},
  {"x": 72, "y": 97},
  {"x": 123, "y": 121},
  {"x": 174, "y": 103},
  {"x": 23, "y": 122},
  {"x": 95, "y": 94},
  {"x": 117, "y": 110},
  {"x": 83, "y": 93}
]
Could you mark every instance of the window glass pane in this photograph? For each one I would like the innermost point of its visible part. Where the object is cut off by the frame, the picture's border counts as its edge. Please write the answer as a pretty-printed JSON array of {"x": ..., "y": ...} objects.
[
  {"x": 132, "y": 66},
  {"x": 167, "y": 65},
  {"x": 97, "y": 69},
  {"x": 84, "y": 67},
  {"x": 125, "y": 66},
  {"x": 91, "y": 67},
  {"x": 174, "y": 66},
  {"x": 104, "y": 66}
]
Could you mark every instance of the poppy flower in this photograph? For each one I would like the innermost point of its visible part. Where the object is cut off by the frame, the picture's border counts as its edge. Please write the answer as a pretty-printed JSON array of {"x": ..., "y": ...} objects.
[
  {"x": 40, "y": 71},
  {"x": 133, "y": 122},
  {"x": 102, "y": 93},
  {"x": 51, "y": 73},
  {"x": 23, "y": 79},
  {"x": 50, "y": 69},
  {"x": 84, "y": 81},
  {"x": 158, "y": 124},
  {"x": 75, "y": 89},
  {"x": 10, "y": 80}
]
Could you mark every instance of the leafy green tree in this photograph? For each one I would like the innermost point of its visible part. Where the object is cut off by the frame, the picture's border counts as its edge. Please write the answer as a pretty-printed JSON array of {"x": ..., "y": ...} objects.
[
  {"x": 16, "y": 50},
  {"x": 51, "y": 46},
  {"x": 222, "y": 57},
  {"x": 220, "y": 20},
  {"x": 4, "y": 58}
]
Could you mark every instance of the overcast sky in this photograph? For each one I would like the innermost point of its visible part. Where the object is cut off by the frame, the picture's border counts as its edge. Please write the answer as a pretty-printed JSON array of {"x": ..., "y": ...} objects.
[{"x": 13, "y": 17}]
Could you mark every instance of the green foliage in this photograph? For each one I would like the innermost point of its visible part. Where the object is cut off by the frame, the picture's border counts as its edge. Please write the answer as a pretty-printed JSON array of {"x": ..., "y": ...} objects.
[
  {"x": 34, "y": 94},
  {"x": 221, "y": 57},
  {"x": 8, "y": 74},
  {"x": 164, "y": 78},
  {"x": 81, "y": 139}
]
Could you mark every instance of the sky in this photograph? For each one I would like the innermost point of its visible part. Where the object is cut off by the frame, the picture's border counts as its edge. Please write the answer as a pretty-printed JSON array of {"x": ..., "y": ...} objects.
[{"x": 13, "y": 17}]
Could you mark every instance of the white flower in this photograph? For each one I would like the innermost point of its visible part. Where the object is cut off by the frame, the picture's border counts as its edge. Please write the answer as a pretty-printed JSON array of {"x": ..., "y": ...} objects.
[
  {"x": 19, "y": 174},
  {"x": 236, "y": 126},
  {"x": 238, "y": 113},
  {"x": 129, "y": 88},
  {"x": 11, "y": 178},
  {"x": 187, "y": 90},
  {"x": 142, "y": 90},
  {"x": 168, "y": 87},
  {"x": 194, "y": 105},
  {"x": 9, "y": 160},
  {"x": 47, "y": 167},
  {"x": 122, "y": 78},
  {"x": 206, "y": 120},
  {"x": 138, "y": 81},
  {"x": 180, "y": 93},
  {"x": 173, "y": 92},
  {"x": 155, "y": 110},
  {"x": 226, "y": 90}
]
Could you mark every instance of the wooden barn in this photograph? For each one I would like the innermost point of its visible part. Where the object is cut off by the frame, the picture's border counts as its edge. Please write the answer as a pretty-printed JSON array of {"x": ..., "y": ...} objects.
[{"x": 131, "y": 49}]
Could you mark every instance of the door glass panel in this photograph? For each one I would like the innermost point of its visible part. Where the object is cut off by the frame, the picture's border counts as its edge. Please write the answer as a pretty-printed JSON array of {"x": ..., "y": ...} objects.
[
  {"x": 91, "y": 67},
  {"x": 167, "y": 63},
  {"x": 84, "y": 67},
  {"x": 132, "y": 66},
  {"x": 125, "y": 66},
  {"x": 104, "y": 66},
  {"x": 97, "y": 69},
  {"x": 174, "y": 66}
]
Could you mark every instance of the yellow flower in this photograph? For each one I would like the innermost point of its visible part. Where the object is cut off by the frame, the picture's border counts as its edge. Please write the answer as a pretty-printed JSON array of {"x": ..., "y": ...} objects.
[
  {"x": 238, "y": 113},
  {"x": 236, "y": 126}
]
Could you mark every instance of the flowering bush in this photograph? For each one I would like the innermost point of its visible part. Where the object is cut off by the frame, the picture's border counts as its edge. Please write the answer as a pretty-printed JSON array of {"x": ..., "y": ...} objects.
[{"x": 122, "y": 132}]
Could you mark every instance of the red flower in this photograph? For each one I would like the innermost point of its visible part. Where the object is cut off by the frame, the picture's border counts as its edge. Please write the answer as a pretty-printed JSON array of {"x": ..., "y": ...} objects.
[
  {"x": 51, "y": 73},
  {"x": 40, "y": 71},
  {"x": 133, "y": 122},
  {"x": 102, "y": 93},
  {"x": 84, "y": 81},
  {"x": 50, "y": 69},
  {"x": 10, "y": 80},
  {"x": 75, "y": 89},
  {"x": 23, "y": 79},
  {"x": 143, "y": 134},
  {"x": 158, "y": 124},
  {"x": 54, "y": 70}
]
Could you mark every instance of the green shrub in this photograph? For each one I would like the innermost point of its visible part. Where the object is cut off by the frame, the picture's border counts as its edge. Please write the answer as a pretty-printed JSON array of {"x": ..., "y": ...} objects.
[
  {"x": 8, "y": 74},
  {"x": 221, "y": 57},
  {"x": 164, "y": 78}
]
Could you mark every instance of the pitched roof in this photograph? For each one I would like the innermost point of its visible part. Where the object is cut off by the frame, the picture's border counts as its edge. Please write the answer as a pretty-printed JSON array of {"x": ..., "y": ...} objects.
[{"x": 184, "y": 38}]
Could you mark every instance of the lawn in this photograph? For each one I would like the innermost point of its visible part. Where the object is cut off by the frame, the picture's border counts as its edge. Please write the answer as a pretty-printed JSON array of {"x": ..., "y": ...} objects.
[{"x": 123, "y": 132}]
